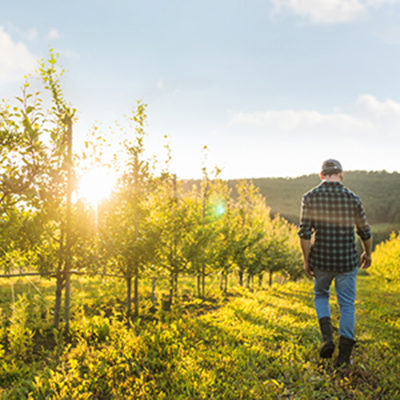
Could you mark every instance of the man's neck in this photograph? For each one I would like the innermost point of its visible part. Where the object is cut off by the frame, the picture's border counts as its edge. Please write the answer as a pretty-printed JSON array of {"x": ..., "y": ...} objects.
[{"x": 332, "y": 178}]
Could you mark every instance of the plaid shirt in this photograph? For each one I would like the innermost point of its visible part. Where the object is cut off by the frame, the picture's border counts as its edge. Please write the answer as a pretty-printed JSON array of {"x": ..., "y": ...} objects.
[{"x": 331, "y": 211}]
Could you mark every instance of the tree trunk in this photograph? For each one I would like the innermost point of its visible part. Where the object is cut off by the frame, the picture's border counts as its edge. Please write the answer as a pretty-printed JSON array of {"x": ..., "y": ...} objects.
[
  {"x": 176, "y": 285},
  {"x": 203, "y": 282},
  {"x": 57, "y": 305},
  {"x": 171, "y": 288},
  {"x": 270, "y": 278},
  {"x": 67, "y": 299},
  {"x": 136, "y": 169},
  {"x": 226, "y": 282},
  {"x": 204, "y": 208},
  {"x": 240, "y": 277},
  {"x": 59, "y": 282},
  {"x": 260, "y": 279},
  {"x": 136, "y": 294},
  {"x": 153, "y": 293},
  {"x": 198, "y": 285},
  {"x": 248, "y": 281},
  {"x": 68, "y": 233},
  {"x": 128, "y": 299}
]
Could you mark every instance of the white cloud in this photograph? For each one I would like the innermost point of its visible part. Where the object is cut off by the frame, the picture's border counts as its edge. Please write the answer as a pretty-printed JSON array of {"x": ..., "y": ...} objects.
[
  {"x": 16, "y": 60},
  {"x": 31, "y": 34},
  {"x": 384, "y": 117},
  {"x": 160, "y": 84},
  {"x": 308, "y": 122},
  {"x": 292, "y": 142},
  {"x": 68, "y": 53},
  {"x": 329, "y": 11},
  {"x": 381, "y": 2},
  {"x": 367, "y": 116},
  {"x": 389, "y": 34},
  {"x": 53, "y": 34}
]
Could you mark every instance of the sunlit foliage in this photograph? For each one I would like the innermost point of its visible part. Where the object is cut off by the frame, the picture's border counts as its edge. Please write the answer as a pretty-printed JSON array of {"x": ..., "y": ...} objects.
[{"x": 386, "y": 259}]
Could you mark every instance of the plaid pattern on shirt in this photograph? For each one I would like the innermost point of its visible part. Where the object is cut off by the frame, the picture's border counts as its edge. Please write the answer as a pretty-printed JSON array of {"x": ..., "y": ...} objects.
[{"x": 330, "y": 211}]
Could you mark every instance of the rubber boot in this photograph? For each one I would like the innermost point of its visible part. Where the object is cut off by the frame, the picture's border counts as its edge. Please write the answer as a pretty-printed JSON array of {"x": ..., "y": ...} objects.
[
  {"x": 345, "y": 348},
  {"x": 328, "y": 346}
]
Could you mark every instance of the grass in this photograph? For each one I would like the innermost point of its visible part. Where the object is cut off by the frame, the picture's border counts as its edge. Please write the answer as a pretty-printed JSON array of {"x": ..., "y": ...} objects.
[{"x": 260, "y": 344}]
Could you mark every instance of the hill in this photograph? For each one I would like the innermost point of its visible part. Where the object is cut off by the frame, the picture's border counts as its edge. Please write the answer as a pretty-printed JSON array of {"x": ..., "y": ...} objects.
[{"x": 379, "y": 191}]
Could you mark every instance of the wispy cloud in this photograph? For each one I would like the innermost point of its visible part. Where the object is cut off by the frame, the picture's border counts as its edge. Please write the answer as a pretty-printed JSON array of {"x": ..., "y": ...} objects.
[
  {"x": 53, "y": 34},
  {"x": 389, "y": 34},
  {"x": 329, "y": 11},
  {"x": 364, "y": 137},
  {"x": 367, "y": 116},
  {"x": 31, "y": 34},
  {"x": 160, "y": 84},
  {"x": 16, "y": 59}
]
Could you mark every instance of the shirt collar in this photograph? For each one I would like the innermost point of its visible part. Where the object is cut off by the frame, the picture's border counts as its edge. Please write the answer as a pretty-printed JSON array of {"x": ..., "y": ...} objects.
[{"x": 331, "y": 183}]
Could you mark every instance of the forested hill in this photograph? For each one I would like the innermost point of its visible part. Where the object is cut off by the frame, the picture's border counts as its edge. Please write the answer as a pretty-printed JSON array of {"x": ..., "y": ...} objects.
[{"x": 379, "y": 191}]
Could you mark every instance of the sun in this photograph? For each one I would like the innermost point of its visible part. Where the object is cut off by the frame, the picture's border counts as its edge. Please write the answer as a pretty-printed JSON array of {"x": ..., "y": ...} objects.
[{"x": 96, "y": 185}]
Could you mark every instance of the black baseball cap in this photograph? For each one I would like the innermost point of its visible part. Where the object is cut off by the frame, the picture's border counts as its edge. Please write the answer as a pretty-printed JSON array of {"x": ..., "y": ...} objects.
[{"x": 331, "y": 166}]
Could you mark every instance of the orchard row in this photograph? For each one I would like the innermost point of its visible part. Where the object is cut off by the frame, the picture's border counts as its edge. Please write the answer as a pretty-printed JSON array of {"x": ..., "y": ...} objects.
[{"x": 152, "y": 224}]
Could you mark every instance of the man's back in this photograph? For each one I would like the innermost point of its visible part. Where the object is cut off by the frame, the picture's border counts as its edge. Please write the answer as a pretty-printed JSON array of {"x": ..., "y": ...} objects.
[{"x": 331, "y": 211}]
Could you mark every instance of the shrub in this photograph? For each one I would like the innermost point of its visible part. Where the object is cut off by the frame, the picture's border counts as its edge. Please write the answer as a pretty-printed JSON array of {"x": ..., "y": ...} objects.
[{"x": 386, "y": 258}]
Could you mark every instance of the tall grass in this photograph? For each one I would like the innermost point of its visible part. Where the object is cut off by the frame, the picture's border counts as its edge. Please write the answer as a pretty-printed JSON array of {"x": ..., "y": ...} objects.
[{"x": 250, "y": 344}]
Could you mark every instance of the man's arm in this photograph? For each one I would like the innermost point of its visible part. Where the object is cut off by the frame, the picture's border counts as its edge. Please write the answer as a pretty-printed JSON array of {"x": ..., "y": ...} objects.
[
  {"x": 364, "y": 231},
  {"x": 305, "y": 233},
  {"x": 306, "y": 248},
  {"x": 366, "y": 259}
]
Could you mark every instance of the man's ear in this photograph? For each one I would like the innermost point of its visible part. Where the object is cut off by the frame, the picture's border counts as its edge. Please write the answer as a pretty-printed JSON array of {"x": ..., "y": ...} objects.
[
  {"x": 321, "y": 176},
  {"x": 341, "y": 176}
]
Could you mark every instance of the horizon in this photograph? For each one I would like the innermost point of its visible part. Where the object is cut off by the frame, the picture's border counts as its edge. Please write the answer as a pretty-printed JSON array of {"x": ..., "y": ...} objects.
[{"x": 303, "y": 175}]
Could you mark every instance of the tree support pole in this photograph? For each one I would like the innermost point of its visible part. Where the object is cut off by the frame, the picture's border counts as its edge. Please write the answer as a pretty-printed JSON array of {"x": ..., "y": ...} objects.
[
  {"x": 68, "y": 233},
  {"x": 128, "y": 300}
]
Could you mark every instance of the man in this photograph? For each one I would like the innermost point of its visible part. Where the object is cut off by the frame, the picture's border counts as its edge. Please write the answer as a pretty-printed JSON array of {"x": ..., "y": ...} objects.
[{"x": 329, "y": 213}]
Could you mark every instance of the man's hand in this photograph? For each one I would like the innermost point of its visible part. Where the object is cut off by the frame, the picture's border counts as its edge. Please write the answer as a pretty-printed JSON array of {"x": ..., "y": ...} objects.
[
  {"x": 365, "y": 260},
  {"x": 308, "y": 270},
  {"x": 366, "y": 256},
  {"x": 305, "y": 245}
]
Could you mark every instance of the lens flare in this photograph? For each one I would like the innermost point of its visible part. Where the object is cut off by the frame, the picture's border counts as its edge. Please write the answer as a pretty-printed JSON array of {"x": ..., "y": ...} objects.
[{"x": 216, "y": 207}]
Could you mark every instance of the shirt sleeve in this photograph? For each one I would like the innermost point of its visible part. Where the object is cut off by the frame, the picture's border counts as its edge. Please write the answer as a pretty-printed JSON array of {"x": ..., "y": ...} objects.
[
  {"x": 363, "y": 228},
  {"x": 306, "y": 226}
]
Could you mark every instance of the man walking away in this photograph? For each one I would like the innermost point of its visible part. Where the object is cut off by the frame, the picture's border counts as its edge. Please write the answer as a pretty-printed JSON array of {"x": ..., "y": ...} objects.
[{"x": 329, "y": 213}]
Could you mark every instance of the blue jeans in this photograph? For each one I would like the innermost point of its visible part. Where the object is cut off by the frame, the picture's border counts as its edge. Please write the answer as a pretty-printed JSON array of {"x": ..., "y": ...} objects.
[{"x": 345, "y": 285}]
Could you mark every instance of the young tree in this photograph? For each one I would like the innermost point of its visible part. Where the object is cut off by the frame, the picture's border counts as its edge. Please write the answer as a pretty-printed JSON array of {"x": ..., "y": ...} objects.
[
  {"x": 128, "y": 235},
  {"x": 37, "y": 173},
  {"x": 22, "y": 155},
  {"x": 176, "y": 219},
  {"x": 281, "y": 253},
  {"x": 252, "y": 211},
  {"x": 56, "y": 187}
]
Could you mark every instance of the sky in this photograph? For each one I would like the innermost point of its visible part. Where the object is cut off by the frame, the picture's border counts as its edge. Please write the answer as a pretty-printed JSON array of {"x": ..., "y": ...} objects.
[{"x": 271, "y": 87}]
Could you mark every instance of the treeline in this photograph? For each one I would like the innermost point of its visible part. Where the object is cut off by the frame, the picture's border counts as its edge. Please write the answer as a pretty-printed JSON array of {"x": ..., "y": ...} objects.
[
  {"x": 379, "y": 191},
  {"x": 149, "y": 227}
]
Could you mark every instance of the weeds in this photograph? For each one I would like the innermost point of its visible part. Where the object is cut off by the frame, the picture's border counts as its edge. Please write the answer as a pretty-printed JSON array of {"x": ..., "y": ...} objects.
[{"x": 249, "y": 345}]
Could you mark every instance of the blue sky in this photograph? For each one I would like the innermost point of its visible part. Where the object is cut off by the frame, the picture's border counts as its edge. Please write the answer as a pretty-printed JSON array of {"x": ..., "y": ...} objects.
[{"x": 272, "y": 87}]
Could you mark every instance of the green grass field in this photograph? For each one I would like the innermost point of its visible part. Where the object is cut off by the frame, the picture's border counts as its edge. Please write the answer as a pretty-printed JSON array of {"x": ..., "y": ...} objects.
[{"x": 260, "y": 344}]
